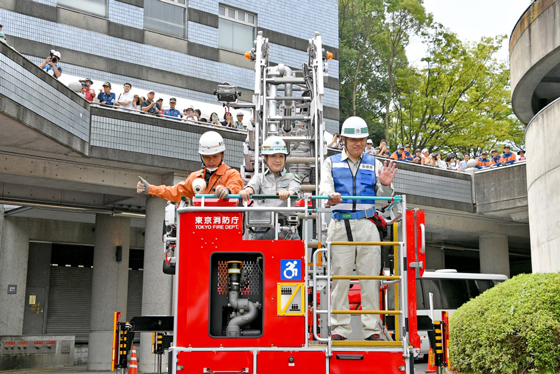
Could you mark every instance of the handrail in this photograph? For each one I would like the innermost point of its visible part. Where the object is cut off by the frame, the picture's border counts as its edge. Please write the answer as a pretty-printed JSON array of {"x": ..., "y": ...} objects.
[
  {"x": 367, "y": 277},
  {"x": 397, "y": 199},
  {"x": 379, "y": 312},
  {"x": 237, "y": 196}
]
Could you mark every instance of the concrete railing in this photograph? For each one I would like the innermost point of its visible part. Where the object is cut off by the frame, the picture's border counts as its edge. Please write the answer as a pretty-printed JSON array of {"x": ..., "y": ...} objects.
[{"x": 502, "y": 188}]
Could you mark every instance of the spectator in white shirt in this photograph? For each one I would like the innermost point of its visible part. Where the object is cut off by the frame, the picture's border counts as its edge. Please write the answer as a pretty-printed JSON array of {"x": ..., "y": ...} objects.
[
  {"x": 369, "y": 148},
  {"x": 521, "y": 155},
  {"x": 124, "y": 101},
  {"x": 464, "y": 164}
]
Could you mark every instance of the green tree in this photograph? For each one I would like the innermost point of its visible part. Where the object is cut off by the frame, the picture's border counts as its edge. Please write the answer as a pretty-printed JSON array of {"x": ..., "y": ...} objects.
[{"x": 460, "y": 101}]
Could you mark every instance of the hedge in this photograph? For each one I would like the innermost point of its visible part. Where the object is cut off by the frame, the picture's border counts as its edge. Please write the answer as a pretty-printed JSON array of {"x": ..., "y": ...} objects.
[{"x": 513, "y": 327}]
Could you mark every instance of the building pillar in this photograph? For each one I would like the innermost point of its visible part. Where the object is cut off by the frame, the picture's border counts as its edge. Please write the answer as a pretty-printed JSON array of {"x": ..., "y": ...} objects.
[
  {"x": 156, "y": 286},
  {"x": 109, "y": 286},
  {"x": 14, "y": 254},
  {"x": 494, "y": 254}
]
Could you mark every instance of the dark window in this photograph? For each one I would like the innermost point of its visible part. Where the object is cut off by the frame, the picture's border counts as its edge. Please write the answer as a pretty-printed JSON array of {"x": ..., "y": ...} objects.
[
  {"x": 454, "y": 293},
  {"x": 431, "y": 285}
]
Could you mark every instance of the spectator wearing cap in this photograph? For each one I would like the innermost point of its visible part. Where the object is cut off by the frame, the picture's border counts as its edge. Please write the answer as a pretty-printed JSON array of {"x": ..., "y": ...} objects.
[
  {"x": 483, "y": 162},
  {"x": 369, "y": 148},
  {"x": 425, "y": 156},
  {"x": 398, "y": 155},
  {"x": 508, "y": 157},
  {"x": 106, "y": 97},
  {"x": 407, "y": 155},
  {"x": 149, "y": 105},
  {"x": 124, "y": 101},
  {"x": 87, "y": 91},
  {"x": 463, "y": 165},
  {"x": 521, "y": 155},
  {"x": 417, "y": 157},
  {"x": 239, "y": 123},
  {"x": 50, "y": 65},
  {"x": 495, "y": 160},
  {"x": 189, "y": 114},
  {"x": 172, "y": 112}
]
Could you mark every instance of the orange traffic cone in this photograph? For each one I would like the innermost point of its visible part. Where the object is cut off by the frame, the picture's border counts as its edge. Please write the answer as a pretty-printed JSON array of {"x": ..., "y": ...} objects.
[
  {"x": 133, "y": 368},
  {"x": 431, "y": 362}
]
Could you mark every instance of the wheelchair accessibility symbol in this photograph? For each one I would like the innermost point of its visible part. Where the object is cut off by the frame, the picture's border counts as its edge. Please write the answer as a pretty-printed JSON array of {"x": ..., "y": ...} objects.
[{"x": 290, "y": 269}]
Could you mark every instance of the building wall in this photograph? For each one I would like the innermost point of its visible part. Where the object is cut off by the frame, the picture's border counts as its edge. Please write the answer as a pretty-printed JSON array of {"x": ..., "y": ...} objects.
[{"x": 121, "y": 50}]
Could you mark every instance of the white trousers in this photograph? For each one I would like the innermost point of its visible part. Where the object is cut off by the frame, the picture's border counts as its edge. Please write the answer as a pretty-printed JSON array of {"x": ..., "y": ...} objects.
[{"x": 368, "y": 262}]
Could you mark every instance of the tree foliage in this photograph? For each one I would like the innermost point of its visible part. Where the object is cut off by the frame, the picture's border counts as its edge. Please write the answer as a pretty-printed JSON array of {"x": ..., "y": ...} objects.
[
  {"x": 511, "y": 328},
  {"x": 458, "y": 100}
]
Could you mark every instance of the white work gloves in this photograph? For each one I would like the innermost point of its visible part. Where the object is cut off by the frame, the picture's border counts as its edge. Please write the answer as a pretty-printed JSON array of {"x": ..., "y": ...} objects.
[
  {"x": 221, "y": 192},
  {"x": 142, "y": 186}
]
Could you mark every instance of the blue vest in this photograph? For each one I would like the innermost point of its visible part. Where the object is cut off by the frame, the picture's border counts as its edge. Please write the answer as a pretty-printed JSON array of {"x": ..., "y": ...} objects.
[{"x": 363, "y": 184}]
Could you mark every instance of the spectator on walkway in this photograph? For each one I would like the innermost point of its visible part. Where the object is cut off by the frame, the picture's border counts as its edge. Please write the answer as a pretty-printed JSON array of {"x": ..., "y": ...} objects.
[
  {"x": 197, "y": 114},
  {"x": 124, "y": 101},
  {"x": 463, "y": 165},
  {"x": 429, "y": 160},
  {"x": 334, "y": 141},
  {"x": 407, "y": 155},
  {"x": 239, "y": 123},
  {"x": 50, "y": 65},
  {"x": 439, "y": 162},
  {"x": 214, "y": 119},
  {"x": 383, "y": 149},
  {"x": 149, "y": 105},
  {"x": 189, "y": 115},
  {"x": 160, "y": 103},
  {"x": 521, "y": 155},
  {"x": 172, "y": 112},
  {"x": 483, "y": 162},
  {"x": 106, "y": 97},
  {"x": 398, "y": 155},
  {"x": 425, "y": 156},
  {"x": 451, "y": 162},
  {"x": 137, "y": 103},
  {"x": 87, "y": 91},
  {"x": 417, "y": 157},
  {"x": 495, "y": 160},
  {"x": 228, "y": 121},
  {"x": 369, "y": 148},
  {"x": 508, "y": 157}
]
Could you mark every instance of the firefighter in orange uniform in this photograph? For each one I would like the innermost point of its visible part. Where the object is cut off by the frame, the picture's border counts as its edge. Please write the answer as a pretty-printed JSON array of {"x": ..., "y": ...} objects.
[{"x": 220, "y": 179}]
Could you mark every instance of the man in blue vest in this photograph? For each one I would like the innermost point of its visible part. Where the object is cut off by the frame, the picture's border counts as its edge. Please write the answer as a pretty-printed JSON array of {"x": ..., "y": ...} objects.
[{"x": 353, "y": 173}]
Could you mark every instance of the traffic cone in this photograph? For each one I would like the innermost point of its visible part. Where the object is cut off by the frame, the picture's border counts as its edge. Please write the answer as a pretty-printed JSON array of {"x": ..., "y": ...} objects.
[
  {"x": 133, "y": 368},
  {"x": 431, "y": 363}
]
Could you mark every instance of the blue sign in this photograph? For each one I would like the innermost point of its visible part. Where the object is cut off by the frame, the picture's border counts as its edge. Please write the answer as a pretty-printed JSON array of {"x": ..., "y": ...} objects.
[{"x": 290, "y": 269}]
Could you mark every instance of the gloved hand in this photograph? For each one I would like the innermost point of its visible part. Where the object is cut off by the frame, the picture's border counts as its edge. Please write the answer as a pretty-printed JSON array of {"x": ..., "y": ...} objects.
[
  {"x": 142, "y": 186},
  {"x": 221, "y": 192}
]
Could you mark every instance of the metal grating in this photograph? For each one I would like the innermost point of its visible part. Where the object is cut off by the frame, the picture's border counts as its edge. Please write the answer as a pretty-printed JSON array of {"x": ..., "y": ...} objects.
[{"x": 250, "y": 278}]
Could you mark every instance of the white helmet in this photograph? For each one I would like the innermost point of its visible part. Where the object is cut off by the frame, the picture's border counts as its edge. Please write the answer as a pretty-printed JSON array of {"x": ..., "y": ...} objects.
[
  {"x": 273, "y": 145},
  {"x": 354, "y": 127},
  {"x": 369, "y": 141},
  {"x": 56, "y": 53},
  {"x": 211, "y": 143}
]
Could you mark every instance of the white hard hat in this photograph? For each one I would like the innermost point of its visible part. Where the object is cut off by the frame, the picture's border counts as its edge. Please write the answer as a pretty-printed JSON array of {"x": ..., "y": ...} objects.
[
  {"x": 369, "y": 141},
  {"x": 273, "y": 145},
  {"x": 56, "y": 53},
  {"x": 211, "y": 143},
  {"x": 354, "y": 127}
]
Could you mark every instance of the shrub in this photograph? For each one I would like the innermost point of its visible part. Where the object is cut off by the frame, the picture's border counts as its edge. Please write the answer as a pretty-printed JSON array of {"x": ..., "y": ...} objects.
[{"x": 511, "y": 328}]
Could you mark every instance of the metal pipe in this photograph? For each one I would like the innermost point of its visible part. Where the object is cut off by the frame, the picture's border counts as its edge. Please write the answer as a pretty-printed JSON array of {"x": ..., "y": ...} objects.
[
  {"x": 366, "y": 243},
  {"x": 299, "y": 160},
  {"x": 379, "y": 312},
  {"x": 240, "y": 209},
  {"x": 366, "y": 277}
]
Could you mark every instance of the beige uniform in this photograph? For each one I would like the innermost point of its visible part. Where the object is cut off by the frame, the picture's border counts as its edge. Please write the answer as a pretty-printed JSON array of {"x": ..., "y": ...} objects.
[{"x": 366, "y": 258}]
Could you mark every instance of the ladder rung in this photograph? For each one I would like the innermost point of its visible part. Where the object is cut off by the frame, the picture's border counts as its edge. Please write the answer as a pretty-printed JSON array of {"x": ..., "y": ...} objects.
[
  {"x": 302, "y": 98},
  {"x": 282, "y": 80},
  {"x": 367, "y": 277},
  {"x": 388, "y": 312},
  {"x": 358, "y": 343},
  {"x": 280, "y": 118},
  {"x": 300, "y": 160},
  {"x": 365, "y": 243}
]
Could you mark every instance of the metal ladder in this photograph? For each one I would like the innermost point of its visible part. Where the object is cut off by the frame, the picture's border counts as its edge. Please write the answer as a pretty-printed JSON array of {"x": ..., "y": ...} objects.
[{"x": 324, "y": 281}]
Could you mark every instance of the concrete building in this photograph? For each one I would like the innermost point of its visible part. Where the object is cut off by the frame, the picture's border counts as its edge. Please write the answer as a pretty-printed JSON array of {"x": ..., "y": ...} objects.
[{"x": 535, "y": 82}]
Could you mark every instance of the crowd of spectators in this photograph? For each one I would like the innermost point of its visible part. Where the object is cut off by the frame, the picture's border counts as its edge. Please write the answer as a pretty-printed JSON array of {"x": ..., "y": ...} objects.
[
  {"x": 148, "y": 105},
  {"x": 436, "y": 159}
]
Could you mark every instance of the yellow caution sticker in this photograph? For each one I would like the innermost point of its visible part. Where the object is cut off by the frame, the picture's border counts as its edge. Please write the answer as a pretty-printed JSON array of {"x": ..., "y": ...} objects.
[{"x": 291, "y": 299}]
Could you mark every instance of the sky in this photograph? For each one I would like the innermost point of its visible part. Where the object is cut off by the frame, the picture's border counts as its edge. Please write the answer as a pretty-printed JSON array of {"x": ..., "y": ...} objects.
[{"x": 473, "y": 19}]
